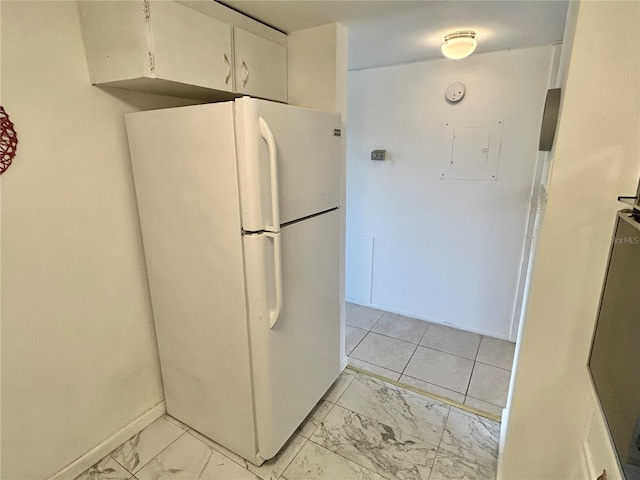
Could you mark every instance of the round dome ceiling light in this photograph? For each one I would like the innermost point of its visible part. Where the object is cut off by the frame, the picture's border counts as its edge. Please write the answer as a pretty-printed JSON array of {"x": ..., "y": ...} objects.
[{"x": 459, "y": 44}]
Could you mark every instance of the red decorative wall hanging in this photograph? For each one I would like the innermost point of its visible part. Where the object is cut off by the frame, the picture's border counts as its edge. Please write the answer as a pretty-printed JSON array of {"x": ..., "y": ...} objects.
[{"x": 8, "y": 141}]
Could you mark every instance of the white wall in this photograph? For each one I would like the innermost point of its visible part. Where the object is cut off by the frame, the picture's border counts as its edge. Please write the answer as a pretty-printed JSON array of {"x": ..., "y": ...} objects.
[
  {"x": 317, "y": 78},
  {"x": 553, "y": 429},
  {"x": 79, "y": 359},
  {"x": 448, "y": 251}
]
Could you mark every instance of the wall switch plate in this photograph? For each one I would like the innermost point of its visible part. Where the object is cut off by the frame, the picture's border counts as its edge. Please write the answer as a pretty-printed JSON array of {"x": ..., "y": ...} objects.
[{"x": 378, "y": 154}]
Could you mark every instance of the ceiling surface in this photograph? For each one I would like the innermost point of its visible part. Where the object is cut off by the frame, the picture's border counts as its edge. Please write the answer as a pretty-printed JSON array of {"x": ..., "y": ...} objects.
[{"x": 393, "y": 32}]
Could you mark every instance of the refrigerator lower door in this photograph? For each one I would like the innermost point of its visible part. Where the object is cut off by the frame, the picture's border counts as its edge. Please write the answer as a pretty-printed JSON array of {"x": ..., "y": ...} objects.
[{"x": 295, "y": 361}]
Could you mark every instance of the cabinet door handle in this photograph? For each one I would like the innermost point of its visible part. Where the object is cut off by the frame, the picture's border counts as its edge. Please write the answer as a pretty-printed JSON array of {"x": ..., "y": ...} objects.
[
  {"x": 246, "y": 68},
  {"x": 228, "y": 75}
]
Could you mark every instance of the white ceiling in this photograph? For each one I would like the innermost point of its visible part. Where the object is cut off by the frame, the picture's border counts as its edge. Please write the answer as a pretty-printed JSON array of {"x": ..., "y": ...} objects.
[{"x": 392, "y": 32}]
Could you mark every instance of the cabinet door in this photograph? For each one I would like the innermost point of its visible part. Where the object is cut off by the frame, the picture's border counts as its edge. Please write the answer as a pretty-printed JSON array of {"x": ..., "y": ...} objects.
[
  {"x": 261, "y": 66},
  {"x": 116, "y": 39},
  {"x": 190, "y": 47}
]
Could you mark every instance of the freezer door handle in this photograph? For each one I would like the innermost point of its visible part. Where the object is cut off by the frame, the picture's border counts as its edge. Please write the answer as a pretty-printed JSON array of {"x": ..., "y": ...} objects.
[
  {"x": 266, "y": 133},
  {"x": 277, "y": 274}
]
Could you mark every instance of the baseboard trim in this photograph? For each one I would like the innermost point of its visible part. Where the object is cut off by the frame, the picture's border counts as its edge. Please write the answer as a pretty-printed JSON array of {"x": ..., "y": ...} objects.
[
  {"x": 586, "y": 465},
  {"x": 344, "y": 361},
  {"x": 100, "y": 451},
  {"x": 501, "y": 443}
]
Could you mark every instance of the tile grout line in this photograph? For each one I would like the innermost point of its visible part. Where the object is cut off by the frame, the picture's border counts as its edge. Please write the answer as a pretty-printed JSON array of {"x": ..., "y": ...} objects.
[
  {"x": 115, "y": 460},
  {"x": 429, "y": 324},
  {"x": 475, "y": 460},
  {"x": 460, "y": 458},
  {"x": 356, "y": 345},
  {"x": 411, "y": 435},
  {"x": 484, "y": 401},
  {"x": 243, "y": 465},
  {"x": 495, "y": 366},
  {"x": 435, "y": 385},
  {"x": 374, "y": 420},
  {"x": 419, "y": 344},
  {"x": 391, "y": 337},
  {"x": 159, "y": 453},
  {"x": 360, "y": 326},
  {"x": 465, "y": 394},
  {"x": 425, "y": 331},
  {"x": 216, "y": 450},
  {"x": 375, "y": 365},
  {"x": 402, "y": 339},
  {"x": 432, "y": 396},
  {"x": 377, "y": 321},
  {"x": 424, "y": 346},
  {"x": 396, "y": 427},
  {"x": 346, "y": 458},
  {"x": 475, "y": 359},
  {"x": 409, "y": 361},
  {"x": 444, "y": 428},
  {"x": 340, "y": 396},
  {"x": 281, "y": 475},
  {"x": 448, "y": 353},
  {"x": 483, "y": 448},
  {"x": 306, "y": 440}
]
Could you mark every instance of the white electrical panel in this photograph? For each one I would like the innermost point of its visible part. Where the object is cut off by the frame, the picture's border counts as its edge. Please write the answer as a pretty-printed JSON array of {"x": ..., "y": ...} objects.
[{"x": 472, "y": 149}]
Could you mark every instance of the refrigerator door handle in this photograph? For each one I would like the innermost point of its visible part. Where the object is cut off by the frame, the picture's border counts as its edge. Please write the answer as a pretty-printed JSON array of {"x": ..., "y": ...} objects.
[
  {"x": 266, "y": 133},
  {"x": 277, "y": 269}
]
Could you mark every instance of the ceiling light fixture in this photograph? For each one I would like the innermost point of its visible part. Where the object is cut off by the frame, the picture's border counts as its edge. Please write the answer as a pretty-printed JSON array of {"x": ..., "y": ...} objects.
[{"x": 459, "y": 44}]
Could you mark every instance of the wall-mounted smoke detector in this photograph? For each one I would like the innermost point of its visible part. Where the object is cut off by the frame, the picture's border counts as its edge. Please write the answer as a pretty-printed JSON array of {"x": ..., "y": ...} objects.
[{"x": 459, "y": 44}]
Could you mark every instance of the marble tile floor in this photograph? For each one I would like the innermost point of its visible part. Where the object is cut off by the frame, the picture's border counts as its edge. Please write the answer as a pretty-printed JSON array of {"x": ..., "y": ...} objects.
[
  {"x": 466, "y": 368},
  {"x": 362, "y": 429}
]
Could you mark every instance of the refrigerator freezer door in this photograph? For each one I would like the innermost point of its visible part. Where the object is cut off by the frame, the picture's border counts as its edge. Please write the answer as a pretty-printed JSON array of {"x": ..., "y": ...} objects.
[
  {"x": 296, "y": 361},
  {"x": 308, "y": 161}
]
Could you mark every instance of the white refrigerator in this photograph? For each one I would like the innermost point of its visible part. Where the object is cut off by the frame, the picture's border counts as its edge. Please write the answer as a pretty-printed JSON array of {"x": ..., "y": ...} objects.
[{"x": 240, "y": 210}]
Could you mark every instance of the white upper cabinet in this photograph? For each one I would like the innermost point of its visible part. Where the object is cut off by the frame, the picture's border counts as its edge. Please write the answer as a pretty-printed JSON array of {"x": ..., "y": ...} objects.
[
  {"x": 260, "y": 65},
  {"x": 189, "y": 47},
  {"x": 167, "y": 48}
]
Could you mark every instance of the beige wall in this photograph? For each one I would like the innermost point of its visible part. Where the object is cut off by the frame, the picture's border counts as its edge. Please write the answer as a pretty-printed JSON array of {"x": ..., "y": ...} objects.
[
  {"x": 317, "y": 78},
  {"x": 596, "y": 158},
  {"x": 317, "y": 62},
  {"x": 79, "y": 360}
]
